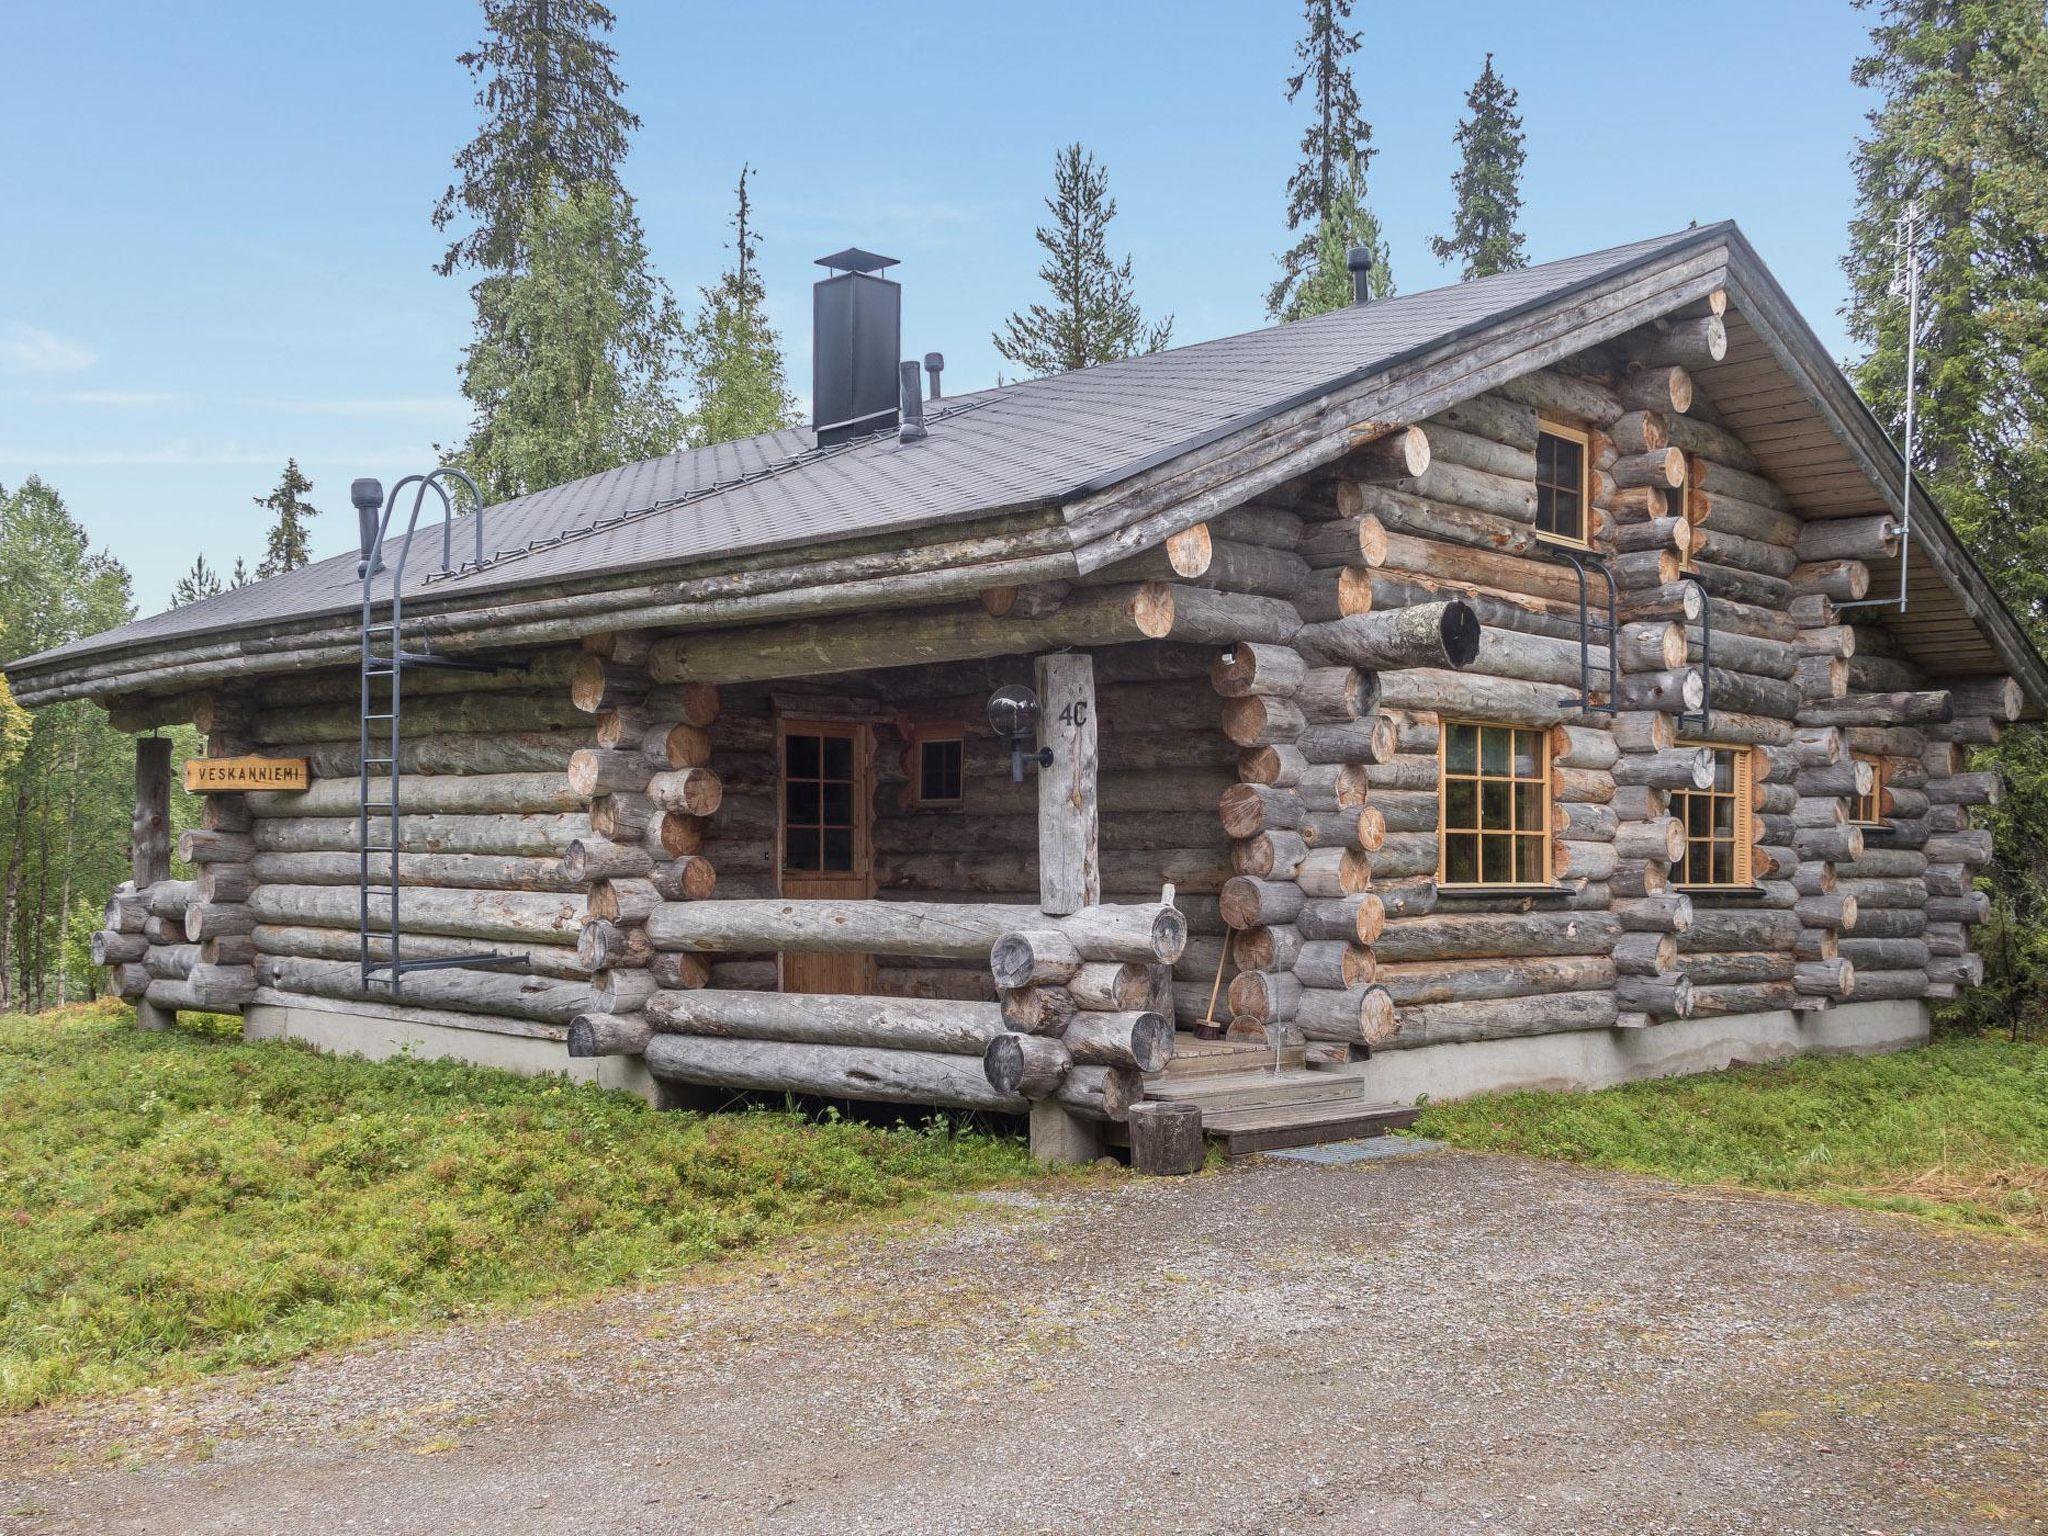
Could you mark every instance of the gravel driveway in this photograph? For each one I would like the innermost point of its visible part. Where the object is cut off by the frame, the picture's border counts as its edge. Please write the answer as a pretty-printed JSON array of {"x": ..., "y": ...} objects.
[{"x": 1439, "y": 1342}]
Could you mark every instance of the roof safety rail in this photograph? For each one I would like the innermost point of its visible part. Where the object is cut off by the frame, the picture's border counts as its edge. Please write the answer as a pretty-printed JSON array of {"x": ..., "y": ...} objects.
[{"x": 1597, "y": 628}]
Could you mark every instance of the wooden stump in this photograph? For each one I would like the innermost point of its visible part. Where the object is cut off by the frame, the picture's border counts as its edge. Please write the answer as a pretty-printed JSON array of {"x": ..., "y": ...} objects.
[{"x": 1166, "y": 1137}]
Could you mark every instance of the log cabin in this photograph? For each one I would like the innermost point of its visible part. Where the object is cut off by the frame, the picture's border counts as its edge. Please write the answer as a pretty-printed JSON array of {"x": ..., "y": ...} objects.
[{"x": 1549, "y": 679}]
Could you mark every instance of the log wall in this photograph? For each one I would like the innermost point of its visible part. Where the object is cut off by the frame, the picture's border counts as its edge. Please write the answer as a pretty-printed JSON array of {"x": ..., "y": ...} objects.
[{"x": 1269, "y": 740}]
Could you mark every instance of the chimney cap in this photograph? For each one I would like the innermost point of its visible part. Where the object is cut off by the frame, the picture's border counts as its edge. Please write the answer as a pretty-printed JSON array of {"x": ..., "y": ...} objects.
[
  {"x": 854, "y": 259},
  {"x": 1358, "y": 258}
]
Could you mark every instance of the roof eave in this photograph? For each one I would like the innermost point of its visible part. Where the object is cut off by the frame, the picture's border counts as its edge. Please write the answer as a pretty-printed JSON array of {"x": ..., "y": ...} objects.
[{"x": 1800, "y": 352}]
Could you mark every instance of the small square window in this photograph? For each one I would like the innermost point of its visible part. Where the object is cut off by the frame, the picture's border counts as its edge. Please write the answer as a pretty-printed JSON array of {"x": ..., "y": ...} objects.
[{"x": 940, "y": 762}]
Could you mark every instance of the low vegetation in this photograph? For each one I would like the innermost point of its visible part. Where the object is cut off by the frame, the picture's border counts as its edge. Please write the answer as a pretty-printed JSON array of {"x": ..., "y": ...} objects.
[
  {"x": 180, "y": 1203},
  {"x": 1956, "y": 1131}
]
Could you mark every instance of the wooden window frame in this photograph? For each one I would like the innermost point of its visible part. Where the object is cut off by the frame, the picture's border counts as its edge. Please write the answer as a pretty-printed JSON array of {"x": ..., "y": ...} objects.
[
  {"x": 861, "y": 734},
  {"x": 1874, "y": 801},
  {"x": 1743, "y": 795},
  {"x": 920, "y": 736},
  {"x": 1444, "y": 830},
  {"x": 1573, "y": 432}
]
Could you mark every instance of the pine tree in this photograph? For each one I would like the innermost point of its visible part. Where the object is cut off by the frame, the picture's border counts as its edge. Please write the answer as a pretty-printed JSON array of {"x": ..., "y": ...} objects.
[
  {"x": 733, "y": 353},
  {"x": 289, "y": 545},
  {"x": 1488, "y": 182},
  {"x": 1348, "y": 223},
  {"x": 197, "y": 584},
  {"x": 552, "y": 118},
  {"x": 239, "y": 576},
  {"x": 1337, "y": 145},
  {"x": 1094, "y": 316},
  {"x": 1961, "y": 131},
  {"x": 575, "y": 358}
]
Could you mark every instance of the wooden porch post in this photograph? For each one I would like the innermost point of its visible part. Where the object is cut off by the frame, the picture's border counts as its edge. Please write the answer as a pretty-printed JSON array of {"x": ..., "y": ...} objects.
[
  {"x": 149, "y": 836},
  {"x": 1069, "y": 870}
]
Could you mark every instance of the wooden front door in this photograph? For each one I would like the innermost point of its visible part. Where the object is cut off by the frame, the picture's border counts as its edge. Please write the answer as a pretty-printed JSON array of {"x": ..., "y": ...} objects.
[{"x": 825, "y": 842}]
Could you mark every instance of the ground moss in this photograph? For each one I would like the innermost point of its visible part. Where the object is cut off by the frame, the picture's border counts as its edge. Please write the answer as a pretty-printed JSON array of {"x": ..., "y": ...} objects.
[
  {"x": 1956, "y": 1131},
  {"x": 183, "y": 1202}
]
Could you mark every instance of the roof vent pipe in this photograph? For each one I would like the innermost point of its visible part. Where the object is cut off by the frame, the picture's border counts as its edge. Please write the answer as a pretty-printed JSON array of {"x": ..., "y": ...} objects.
[
  {"x": 857, "y": 340},
  {"x": 1359, "y": 260},
  {"x": 912, "y": 407},
  {"x": 935, "y": 364},
  {"x": 368, "y": 496}
]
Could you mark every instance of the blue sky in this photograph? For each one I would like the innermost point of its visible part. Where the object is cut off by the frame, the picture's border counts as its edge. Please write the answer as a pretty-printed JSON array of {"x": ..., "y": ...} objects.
[{"x": 216, "y": 249}]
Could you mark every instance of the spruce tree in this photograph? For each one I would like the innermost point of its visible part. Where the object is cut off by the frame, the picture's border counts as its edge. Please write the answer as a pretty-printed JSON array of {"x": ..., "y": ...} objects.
[
  {"x": 733, "y": 353},
  {"x": 289, "y": 544},
  {"x": 552, "y": 117},
  {"x": 1093, "y": 316},
  {"x": 1337, "y": 145},
  {"x": 1348, "y": 223},
  {"x": 1488, "y": 182},
  {"x": 576, "y": 356},
  {"x": 197, "y": 584},
  {"x": 1960, "y": 130}
]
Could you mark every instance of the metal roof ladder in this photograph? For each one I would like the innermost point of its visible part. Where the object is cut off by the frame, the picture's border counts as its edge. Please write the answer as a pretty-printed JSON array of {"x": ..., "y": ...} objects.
[
  {"x": 1597, "y": 629},
  {"x": 386, "y": 660}
]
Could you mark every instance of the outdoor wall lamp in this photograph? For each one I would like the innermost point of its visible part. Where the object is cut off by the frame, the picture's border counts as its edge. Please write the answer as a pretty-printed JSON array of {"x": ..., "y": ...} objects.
[{"x": 1013, "y": 716}]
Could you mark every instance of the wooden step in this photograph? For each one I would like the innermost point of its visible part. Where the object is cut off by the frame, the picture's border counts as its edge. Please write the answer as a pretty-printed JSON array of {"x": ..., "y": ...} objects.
[
  {"x": 1193, "y": 1057},
  {"x": 1218, "y": 1092},
  {"x": 1269, "y": 1128}
]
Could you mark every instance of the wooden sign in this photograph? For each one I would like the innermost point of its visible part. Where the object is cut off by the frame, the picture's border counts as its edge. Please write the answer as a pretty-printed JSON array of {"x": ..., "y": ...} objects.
[{"x": 232, "y": 775}]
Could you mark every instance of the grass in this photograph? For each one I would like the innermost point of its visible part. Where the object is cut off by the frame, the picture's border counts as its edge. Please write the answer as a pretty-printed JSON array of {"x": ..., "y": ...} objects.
[
  {"x": 1956, "y": 1131},
  {"x": 179, "y": 1203}
]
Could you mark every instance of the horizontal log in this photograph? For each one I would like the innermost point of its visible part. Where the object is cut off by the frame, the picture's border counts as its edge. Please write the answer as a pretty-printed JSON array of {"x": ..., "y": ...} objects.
[
  {"x": 458, "y": 871},
  {"x": 1462, "y": 1022},
  {"x": 828, "y": 1071},
  {"x": 1460, "y": 981},
  {"x": 503, "y": 835},
  {"x": 1355, "y": 1016},
  {"x": 1444, "y": 634},
  {"x": 477, "y": 794},
  {"x": 341, "y": 944},
  {"x": 1149, "y": 934},
  {"x": 511, "y": 917},
  {"x": 547, "y": 999},
  {"x": 911, "y": 1024},
  {"x": 1455, "y": 936}
]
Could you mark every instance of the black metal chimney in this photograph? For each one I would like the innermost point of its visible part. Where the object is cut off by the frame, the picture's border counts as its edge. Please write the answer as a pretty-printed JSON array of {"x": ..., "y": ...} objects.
[
  {"x": 1359, "y": 260},
  {"x": 856, "y": 343}
]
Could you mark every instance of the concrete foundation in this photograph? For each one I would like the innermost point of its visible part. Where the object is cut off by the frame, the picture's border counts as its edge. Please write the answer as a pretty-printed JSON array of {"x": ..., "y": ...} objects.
[
  {"x": 1574, "y": 1059},
  {"x": 1060, "y": 1136},
  {"x": 378, "y": 1038},
  {"x": 1598, "y": 1058}
]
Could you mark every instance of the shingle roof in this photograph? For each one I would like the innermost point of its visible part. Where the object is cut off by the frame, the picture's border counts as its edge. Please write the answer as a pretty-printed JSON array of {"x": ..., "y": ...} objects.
[{"x": 1036, "y": 443}]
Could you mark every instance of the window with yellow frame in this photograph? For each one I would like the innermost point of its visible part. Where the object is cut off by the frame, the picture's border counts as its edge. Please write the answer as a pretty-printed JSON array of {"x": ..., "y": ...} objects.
[
  {"x": 1494, "y": 826},
  {"x": 1719, "y": 824},
  {"x": 1868, "y": 810},
  {"x": 1563, "y": 481}
]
